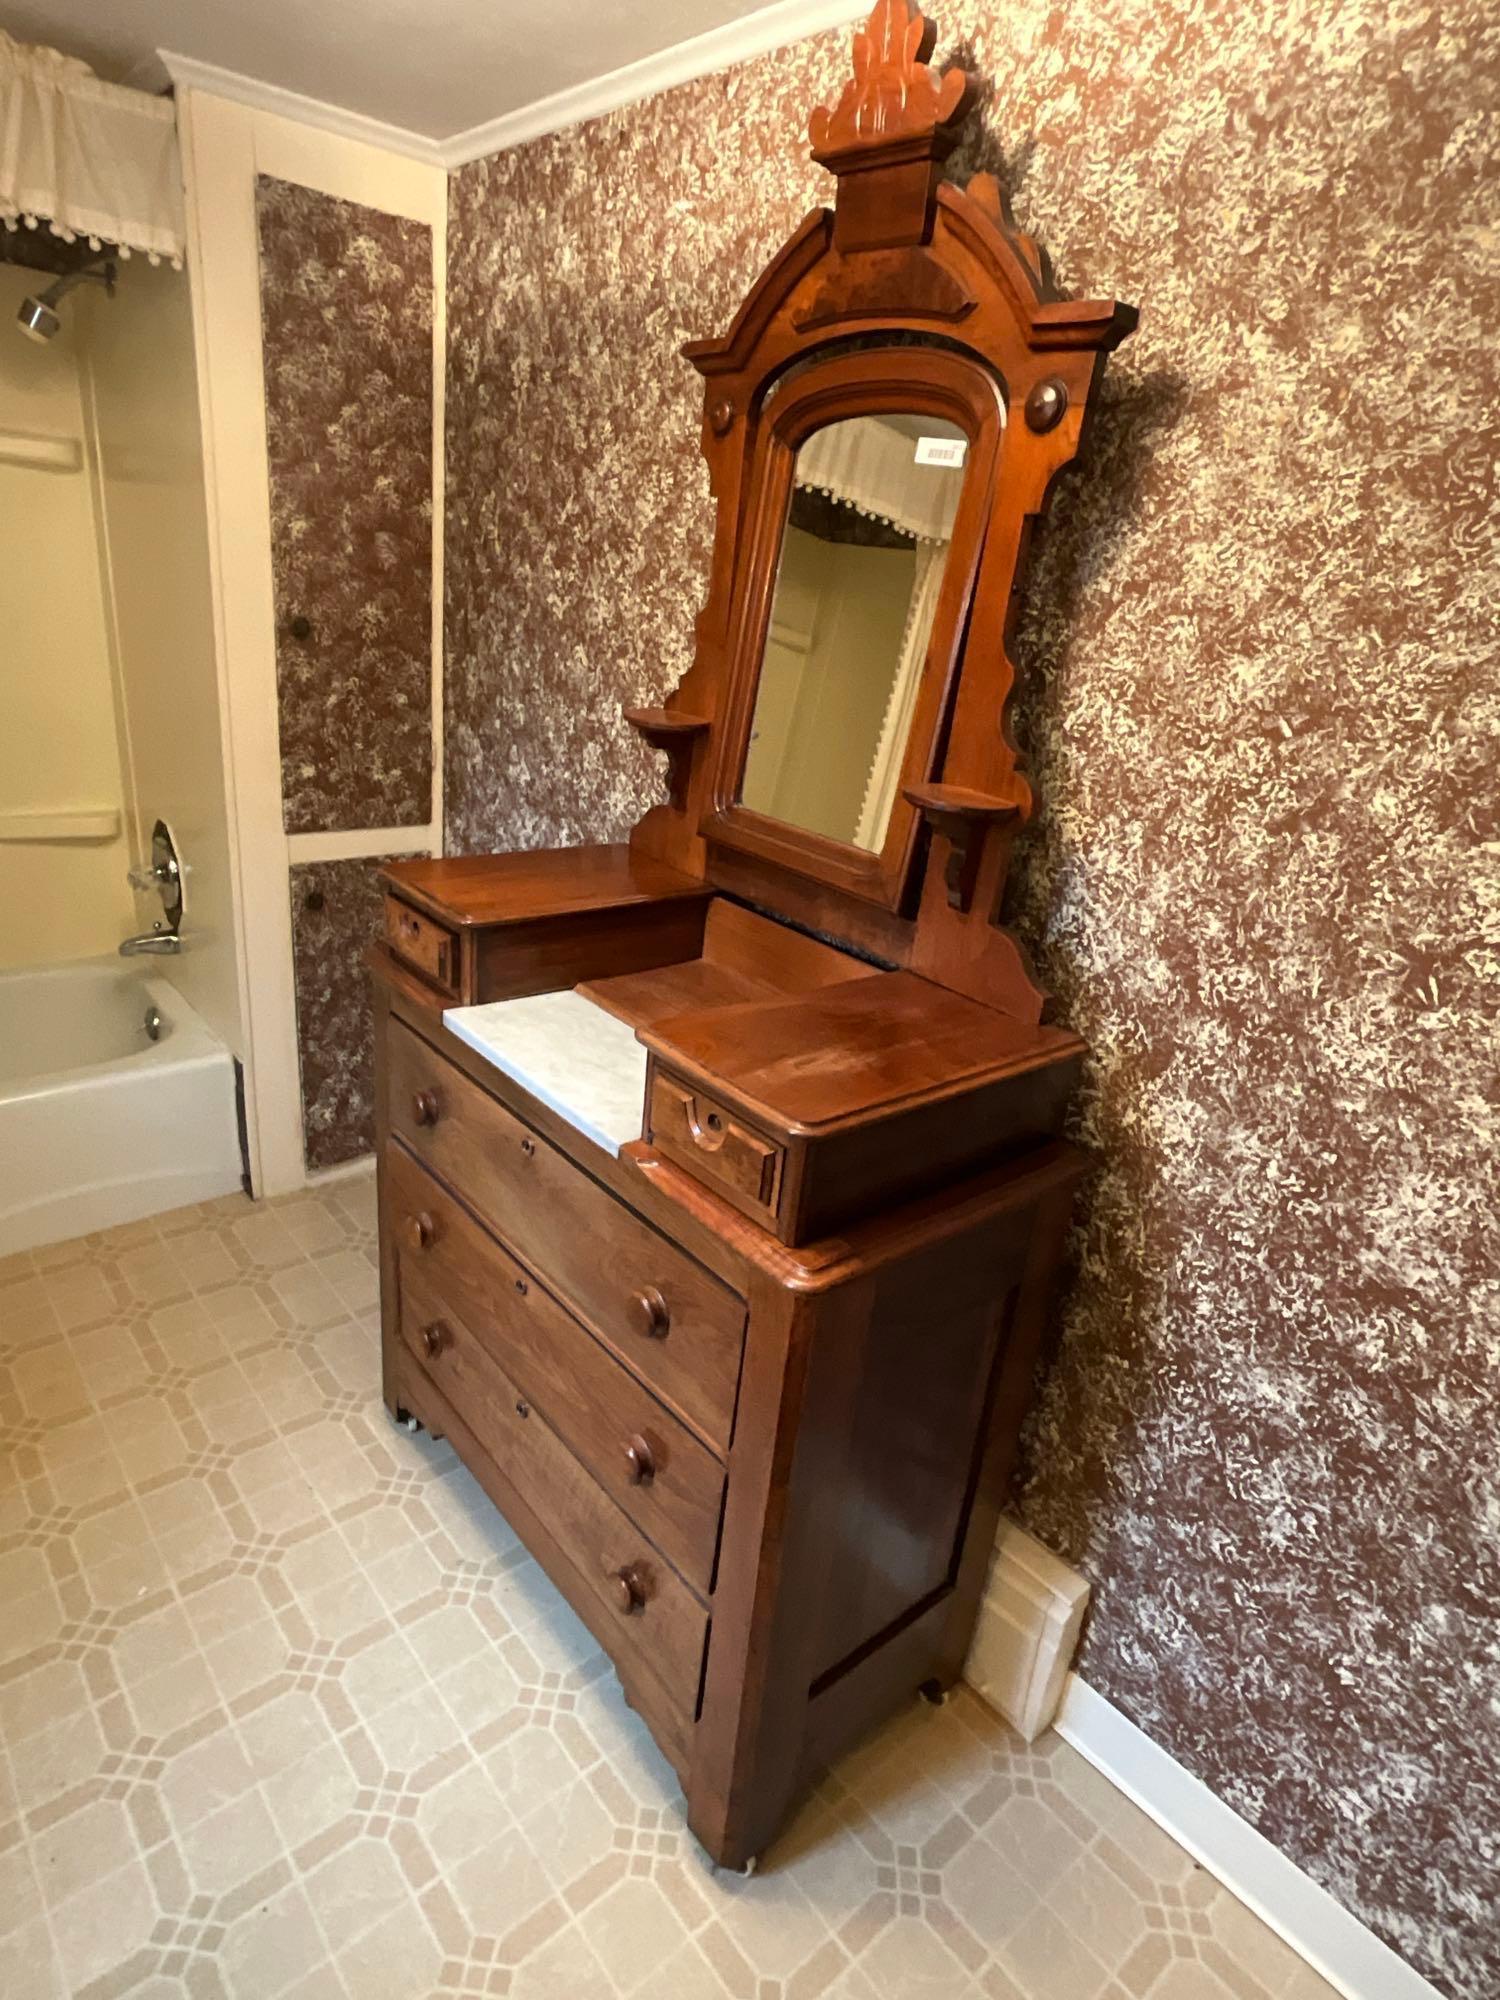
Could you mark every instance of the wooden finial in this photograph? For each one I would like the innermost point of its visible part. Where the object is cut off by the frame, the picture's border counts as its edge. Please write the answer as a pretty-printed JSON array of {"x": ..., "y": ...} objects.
[{"x": 893, "y": 96}]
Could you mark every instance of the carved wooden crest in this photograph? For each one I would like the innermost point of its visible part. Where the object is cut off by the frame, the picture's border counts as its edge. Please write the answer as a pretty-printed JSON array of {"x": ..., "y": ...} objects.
[{"x": 893, "y": 95}]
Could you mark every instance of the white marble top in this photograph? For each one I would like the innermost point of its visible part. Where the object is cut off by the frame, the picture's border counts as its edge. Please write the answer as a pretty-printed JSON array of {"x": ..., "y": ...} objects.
[{"x": 586, "y": 1065}]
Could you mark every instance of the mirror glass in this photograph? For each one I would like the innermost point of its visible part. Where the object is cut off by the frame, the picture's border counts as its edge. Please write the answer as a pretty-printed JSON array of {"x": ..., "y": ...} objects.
[{"x": 857, "y": 585}]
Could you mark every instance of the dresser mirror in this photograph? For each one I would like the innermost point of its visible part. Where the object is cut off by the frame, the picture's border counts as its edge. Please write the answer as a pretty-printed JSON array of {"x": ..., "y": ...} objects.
[
  {"x": 863, "y": 549},
  {"x": 872, "y": 476}
]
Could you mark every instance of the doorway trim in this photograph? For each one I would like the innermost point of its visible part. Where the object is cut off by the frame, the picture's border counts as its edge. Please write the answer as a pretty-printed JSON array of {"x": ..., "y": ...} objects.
[{"x": 226, "y": 146}]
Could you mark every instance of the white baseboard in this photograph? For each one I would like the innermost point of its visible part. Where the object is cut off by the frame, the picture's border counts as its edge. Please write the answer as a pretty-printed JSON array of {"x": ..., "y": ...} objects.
[
  {"x": 346, "y": 1170},
  {"x": 1027, "y": 1631},
  {"x": 1336, "y": 1944}
]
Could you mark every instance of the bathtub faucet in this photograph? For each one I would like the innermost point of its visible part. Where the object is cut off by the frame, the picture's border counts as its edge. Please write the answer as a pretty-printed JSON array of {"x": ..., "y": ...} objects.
[{"x": 155, "y": 944}]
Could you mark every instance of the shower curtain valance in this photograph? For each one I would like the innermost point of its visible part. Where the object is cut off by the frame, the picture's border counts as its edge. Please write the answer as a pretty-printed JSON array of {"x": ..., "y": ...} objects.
[
  {"x": 868, "y": 466},
  {"x": 86, "y": 158}
]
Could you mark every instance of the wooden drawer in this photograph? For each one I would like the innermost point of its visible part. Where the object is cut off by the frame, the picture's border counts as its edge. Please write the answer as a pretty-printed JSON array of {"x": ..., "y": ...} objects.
[
  {"x": 421, "y": 943},
  {"x": 671, "y": 1485},
  {"x": 663, "y": 1315},
  {"x": 715, "y": 1145},
  {"x": 653, "y": 1627}
]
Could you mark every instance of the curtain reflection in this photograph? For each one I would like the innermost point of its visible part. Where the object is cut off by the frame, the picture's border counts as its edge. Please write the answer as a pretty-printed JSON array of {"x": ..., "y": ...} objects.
[{"x": 857, "y": 587}]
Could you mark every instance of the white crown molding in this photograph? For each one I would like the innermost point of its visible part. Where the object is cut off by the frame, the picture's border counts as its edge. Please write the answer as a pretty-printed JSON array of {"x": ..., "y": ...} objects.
[
  {"x": 188, "y": 73},
  {"x": 1332, "y": 1940},
  {"x": 720, "y": 48}
]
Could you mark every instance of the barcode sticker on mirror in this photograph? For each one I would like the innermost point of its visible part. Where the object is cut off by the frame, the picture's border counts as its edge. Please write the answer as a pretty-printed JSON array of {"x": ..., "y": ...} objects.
[{"x": 942, "y": 451}]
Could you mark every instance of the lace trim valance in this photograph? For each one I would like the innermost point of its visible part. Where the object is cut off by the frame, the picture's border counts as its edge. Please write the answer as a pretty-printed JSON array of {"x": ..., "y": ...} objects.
[
  {"x": 871, "y": 467},
  {"x": 87, "y": 159}
]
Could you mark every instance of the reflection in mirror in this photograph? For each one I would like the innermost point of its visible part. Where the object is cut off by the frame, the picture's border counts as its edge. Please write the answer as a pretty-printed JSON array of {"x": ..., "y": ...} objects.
[{"x": 857, "y": 587}]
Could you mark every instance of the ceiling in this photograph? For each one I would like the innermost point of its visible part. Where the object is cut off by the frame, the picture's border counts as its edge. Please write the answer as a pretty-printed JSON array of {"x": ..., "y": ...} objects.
[{"x": 436, "y": 69}]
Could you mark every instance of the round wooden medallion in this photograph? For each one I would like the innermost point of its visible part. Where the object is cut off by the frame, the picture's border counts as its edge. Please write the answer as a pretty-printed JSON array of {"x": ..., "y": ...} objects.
[{"x": 1046, "y": 404}]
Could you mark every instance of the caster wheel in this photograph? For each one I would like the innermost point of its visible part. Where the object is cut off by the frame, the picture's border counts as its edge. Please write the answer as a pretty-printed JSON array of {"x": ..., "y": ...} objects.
[
  {"x": 935, "y": 1694},
  {"x": 404, "y": 1420},
  {"x": 748, "y": 1870}
]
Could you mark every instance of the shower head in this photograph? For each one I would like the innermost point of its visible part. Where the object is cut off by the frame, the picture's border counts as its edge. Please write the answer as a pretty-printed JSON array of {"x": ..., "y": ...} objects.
[
  {"x": 38, "y": 317},
  {"x": 37, "y": 320}
]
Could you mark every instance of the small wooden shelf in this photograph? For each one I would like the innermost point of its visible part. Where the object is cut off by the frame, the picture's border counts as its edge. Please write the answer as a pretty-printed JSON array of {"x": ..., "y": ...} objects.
[
  {"x": 671, "y": 730},
  {"x": 669, "y": 725},
  {"x": 939, "y": 802},
  {"x": 963, "y": 817}
]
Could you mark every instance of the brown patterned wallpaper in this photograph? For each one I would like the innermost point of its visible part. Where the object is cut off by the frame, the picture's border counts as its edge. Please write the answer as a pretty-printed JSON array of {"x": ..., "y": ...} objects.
[
  {"x": 336, "y": 911},
  {"x": 1262, "y": 646},
  {"x": 346, "y": 315}
]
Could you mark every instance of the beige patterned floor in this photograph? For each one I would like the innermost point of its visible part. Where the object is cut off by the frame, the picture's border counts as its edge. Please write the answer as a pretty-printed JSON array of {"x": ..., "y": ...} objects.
[{"x": 284, "y": 1710}]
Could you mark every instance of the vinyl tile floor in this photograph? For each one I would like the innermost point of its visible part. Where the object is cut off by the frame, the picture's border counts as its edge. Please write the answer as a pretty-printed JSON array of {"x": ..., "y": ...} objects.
[{"x": 285, "y": 1710}]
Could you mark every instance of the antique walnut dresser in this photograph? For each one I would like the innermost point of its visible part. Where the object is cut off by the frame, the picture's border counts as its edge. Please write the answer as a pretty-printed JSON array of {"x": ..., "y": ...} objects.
[{"x": 720, "y": 1179}]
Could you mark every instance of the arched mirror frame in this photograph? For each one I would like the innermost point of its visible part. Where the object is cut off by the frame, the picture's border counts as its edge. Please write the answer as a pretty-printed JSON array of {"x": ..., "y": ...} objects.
[
  {"x": 886, "y": 381},
  {"x": 909, "y": 267}
]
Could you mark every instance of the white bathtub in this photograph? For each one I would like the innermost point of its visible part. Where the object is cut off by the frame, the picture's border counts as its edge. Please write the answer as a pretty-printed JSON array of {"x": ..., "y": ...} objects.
[{"x": 99, "y": 1124}]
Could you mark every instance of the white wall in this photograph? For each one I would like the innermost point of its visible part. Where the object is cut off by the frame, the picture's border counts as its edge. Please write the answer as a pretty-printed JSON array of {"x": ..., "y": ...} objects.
[
  {"x": 58, "y": 747},
  {"x": 141, "y": 396},
  {"x": 225, "y": 146}
]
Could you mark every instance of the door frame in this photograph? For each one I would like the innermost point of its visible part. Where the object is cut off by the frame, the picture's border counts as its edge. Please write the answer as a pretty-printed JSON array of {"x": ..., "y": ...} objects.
[{"x": 226, "y": 146}]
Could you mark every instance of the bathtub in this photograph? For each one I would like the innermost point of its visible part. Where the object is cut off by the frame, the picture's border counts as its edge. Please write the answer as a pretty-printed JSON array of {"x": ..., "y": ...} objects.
[{"x": 98, "y": 1123}]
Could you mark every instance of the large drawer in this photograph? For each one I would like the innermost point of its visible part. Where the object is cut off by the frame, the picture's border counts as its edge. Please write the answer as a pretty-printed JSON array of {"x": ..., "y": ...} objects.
[
  {"x": 652, "y": 1625},
  {"x": 676, "y": 1326},
  {"x": 652, "y": 1465}
]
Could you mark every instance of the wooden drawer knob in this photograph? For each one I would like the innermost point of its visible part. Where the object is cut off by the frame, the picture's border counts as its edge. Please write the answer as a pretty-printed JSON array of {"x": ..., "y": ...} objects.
[
  {"x": 434, "y": 1339},
  {"x": 425, "y": 1108},
  {"x": 649, "y": 1314},
  {"x": 422, "y": 1230},
  {"x": 629, "y": 1589},
  {"x": 641, "y": 1459},
  {"x": 708, "y": 1131}
]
